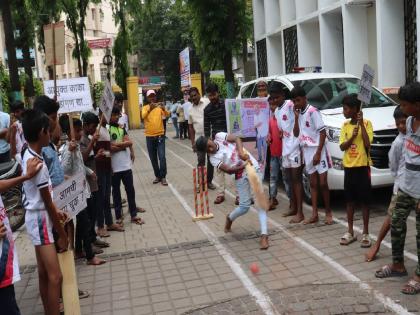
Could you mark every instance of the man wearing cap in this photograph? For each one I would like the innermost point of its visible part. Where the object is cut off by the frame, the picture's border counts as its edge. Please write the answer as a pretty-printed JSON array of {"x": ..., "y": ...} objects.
[{"x": 152, "y": 115}]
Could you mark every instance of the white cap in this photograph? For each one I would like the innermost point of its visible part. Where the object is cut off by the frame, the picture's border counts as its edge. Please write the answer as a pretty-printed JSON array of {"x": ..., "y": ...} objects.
[{"x": 150, "y": 92}]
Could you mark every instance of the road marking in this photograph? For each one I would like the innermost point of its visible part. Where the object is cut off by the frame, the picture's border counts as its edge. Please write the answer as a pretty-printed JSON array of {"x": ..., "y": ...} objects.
[
  {"x": 386, "y": 301},
  {"x": 339, "y": 221},
  {"x": 261, "y": 299}
]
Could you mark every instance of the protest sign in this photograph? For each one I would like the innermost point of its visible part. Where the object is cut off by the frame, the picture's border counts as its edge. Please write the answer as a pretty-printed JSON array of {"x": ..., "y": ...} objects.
[
  {"x": 107, "y": 101},
  {"x": 366, "y": 82},
  {"x": 70, "y": 196},
  {"x": 54, "y": 38},
  {"x": 73, "y": 95}
]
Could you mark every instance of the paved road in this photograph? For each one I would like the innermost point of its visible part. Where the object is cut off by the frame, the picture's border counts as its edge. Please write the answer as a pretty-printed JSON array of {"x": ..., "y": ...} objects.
[{"x": 173, "y": 266}]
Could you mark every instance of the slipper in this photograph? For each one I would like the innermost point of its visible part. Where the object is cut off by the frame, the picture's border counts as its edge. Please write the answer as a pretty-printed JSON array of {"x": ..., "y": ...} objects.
[
  {"x": 411, "y": 288},
  {"x": 347, "y": 239},
  {"x": 387, "y": 272},
  {"x": 83, "y": 294},
  {"x": 296, "y": 220},
  {"x": 115, "y": 227},
  {"x": 157, "y": 180},
  {"x": 120, "y": 222},
  {"x": 312, "y": 220},
  {"x": 103, "y": 233},
  {"x": 96, "y": 262},
  {"x": 100, "y": 243},
  {"x": 141, "y": 210},
  {"x": 164, "y": 182},
  {"x": 365, "y": 242},
  {"x": 137, "y": 220}
]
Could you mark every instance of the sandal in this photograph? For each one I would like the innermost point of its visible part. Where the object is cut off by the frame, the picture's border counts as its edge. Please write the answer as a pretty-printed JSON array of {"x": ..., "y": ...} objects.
[
  {"x": 100, "y": 243},
  {"x": 411, "y": 288},
  {"x": 387, "y": 272},
  {"x": 365, "y": 242},
  {"x": 164, "y": 182},
  {"x": 103, "y": 233},
  {"x": 137, "y": 220},
  {"x": 115, "y": 227},
  {"x": 95, "y": 261},
  {"x": 120, "y": 222},
  {"x": 157, "y": 180},
  {"x": 347, "y": 239},
  {"x": 312, "y": 220},
  {"x": 141, "y": 210},
  {"x": 83, "y": 294}
]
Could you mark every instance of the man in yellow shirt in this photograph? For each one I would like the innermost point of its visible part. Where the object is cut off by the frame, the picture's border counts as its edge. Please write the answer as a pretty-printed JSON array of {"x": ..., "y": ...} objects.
[
  {"x": 355, "y": 140},
  {"x": 153, "y": 115}
]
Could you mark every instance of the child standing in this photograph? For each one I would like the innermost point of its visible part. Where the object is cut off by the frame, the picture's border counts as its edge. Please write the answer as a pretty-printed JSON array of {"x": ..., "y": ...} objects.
[
  {"x": 396, "y": 165},
  {"x": 16, "y": 137},
  {"x": 227, "y": 154},
  {"x": 355, "y": 139},
  {"x": 9, "y": 265},
  {"x": 121, "y": 160},
  {"x": 41, "y": 213},
  {"x": 408, "y": 197},
  {"x": 310, "y": 129}
]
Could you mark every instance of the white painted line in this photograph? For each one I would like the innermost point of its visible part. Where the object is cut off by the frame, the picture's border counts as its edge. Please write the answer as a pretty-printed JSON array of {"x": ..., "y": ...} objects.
[
  {"x": 386, "y": 301},
  {"x": 339, "y": 221},
  {"x": 261, "y": 299}
]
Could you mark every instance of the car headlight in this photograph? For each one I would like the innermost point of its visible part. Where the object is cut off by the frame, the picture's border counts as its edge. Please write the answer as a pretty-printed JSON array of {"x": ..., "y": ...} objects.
[
  {"x": 333, "y": 134},
  {"x": 337, "y": 164}
]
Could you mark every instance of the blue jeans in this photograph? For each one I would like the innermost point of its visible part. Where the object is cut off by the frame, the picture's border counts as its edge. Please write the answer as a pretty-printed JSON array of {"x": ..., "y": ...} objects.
[
  {"x": 104, "y": 194},
  {"x": 156, "y": 149},
  {"x": 275, "y": 168},
  {"x": 127, "y": 178},
  {"x": 244, "y": 191},
  {"x": 175, "y": 123},
  {"x": 262, "y": 148}
]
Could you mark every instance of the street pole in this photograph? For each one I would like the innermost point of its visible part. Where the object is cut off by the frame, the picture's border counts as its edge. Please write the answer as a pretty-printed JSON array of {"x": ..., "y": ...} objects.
[{"x": 54, "y": 62}]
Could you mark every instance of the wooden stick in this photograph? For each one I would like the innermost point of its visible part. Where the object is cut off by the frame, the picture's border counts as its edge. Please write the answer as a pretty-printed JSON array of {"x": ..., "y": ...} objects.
[{"x": 195, "y": 191}]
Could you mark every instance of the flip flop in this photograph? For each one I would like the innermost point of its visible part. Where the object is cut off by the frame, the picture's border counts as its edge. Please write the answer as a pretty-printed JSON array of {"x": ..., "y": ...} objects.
[
  {"x": 137, "y": 220},
  {"x": 296, "y": 221},
  {"x": 116, "y": 228},
  {"x": 411, "y": 288},
  {"x": 365, "y": 242},
  {"x": 312, "y": 220},
  {"x": 141, "y": 210},
  {"x": 83, "y": 294},
  {"x": 347, "y": 239},
  {"x": 387, "y": 272}
]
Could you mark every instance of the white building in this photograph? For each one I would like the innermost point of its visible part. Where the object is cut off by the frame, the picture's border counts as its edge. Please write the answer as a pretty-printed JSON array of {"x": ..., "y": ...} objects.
[{"x": 339, "y": 36}]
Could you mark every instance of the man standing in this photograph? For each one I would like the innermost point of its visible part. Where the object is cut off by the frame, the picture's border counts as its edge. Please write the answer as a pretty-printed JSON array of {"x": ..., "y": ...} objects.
[
  {"x": 4, "y": 146},
  {"x": 174, "y": 116},
  {"x": 215, "y": 122},
  {"x": 152, "y": 115},
  {"x": 186, "y": 107},
  {"x": 196, "y": 129}
]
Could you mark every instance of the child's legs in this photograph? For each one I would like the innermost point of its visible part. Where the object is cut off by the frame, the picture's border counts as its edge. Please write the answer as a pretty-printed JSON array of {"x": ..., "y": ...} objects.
[
  {"x": 262, "y": 214},
  {"x": 50, "y": 278},
  {"x": 350, "y": 216},
  {"x": 8, "y": 301},
  {"x": 127, "y": 179},
  {"x": 313, "y": 181},
  {"x": 286, "y": 180},
  {"x": 274, "y": 175},
  {"x": 296, "y": 174},
  {"x": 116, "y": 194},
  {"x": 244, "y": 192},
  {"x": 82, "y": 232},
  {"x": 325, "y": 190}
]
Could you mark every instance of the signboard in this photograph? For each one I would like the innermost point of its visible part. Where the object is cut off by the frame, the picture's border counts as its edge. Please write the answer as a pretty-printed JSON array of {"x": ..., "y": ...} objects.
[
  {"x": 107, "y": 101},
  {"x": 184, "y": 67},
  {"x": 70, "y": 196},
  {"x": 73, "y": 94},
  {"x": 366, "y": 82},
  {"x": 248, "y": 119},
  {"x": 101, "y": 43},
  {"x": 57, "y": 43}
]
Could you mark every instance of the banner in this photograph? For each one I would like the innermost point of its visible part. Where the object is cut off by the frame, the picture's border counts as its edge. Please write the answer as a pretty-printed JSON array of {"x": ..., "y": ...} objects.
[
  {"x": 56, "y": 42},
  {"x": 107, "y": 101},
  {"x": 101, "y": 43},
  {"x": 248, "y": 119},
  {"x": 184, "y": 67},
  {"x": 70, "y": 196},
  {"x": 73, "y": 95}
]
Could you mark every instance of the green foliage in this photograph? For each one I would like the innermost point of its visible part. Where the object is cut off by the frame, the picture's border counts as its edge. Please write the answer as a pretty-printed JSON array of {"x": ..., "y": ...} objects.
[
  {"x": 5, "y": 87},
  {"x": 221, "y": 83},
  {"x": 97, "y": 90},
  {"x": 39, "y": 87}
]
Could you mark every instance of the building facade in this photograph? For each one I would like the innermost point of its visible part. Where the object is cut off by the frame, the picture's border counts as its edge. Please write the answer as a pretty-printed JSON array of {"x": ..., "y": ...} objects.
[{"x": 339, "y": 36}]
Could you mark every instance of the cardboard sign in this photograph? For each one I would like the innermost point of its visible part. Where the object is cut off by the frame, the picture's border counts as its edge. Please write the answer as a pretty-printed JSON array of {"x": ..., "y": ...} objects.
[
  {"x": 73, "y": 95},
  {"x": 107, "y": 101},
  {"x": 56, "y": 42},
  {"x": 70, "y": 196},
  {"x": 366, "y": 82}
]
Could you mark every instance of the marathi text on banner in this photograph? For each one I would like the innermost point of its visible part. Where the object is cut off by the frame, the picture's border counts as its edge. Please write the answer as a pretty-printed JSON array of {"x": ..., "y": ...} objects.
[
  {"x": 70, "y": 196},
  {"x": 73, "y": 95}
]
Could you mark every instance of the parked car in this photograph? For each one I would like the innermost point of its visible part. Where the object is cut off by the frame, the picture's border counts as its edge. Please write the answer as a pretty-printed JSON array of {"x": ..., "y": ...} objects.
[{"x": 325, "y": 91}]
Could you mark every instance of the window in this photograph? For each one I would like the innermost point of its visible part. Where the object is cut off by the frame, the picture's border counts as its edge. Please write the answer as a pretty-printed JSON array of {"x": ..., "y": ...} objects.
[
  {"x": 329, "y": 93},
  {"x": 93, "y": 15},
  {"x": 104, "y": 72},
  {"x": 247, "y": 91}
]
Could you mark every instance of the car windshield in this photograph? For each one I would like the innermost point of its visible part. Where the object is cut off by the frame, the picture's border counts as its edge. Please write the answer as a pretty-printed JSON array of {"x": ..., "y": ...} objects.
[{"x": 329, "y": 93}]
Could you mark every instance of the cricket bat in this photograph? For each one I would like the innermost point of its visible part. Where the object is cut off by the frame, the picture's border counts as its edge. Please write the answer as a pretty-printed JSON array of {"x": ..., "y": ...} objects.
[
  {"x": 257, "y": 187},
  {"x": 69, "y": 289}
]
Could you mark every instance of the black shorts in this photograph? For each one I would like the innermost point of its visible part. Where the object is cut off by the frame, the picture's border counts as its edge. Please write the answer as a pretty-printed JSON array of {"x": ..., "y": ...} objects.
[
  {"x": 357, "y": 184},
  {"x": 8, "y": 301}
]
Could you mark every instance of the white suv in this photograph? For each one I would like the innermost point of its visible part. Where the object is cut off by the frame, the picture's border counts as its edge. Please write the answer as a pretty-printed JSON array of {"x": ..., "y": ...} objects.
[{"x": 326, "y": 91}]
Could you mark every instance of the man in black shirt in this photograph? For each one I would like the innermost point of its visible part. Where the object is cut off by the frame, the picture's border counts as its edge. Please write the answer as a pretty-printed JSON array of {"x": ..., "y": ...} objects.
[{"x": 214, "y": 122}]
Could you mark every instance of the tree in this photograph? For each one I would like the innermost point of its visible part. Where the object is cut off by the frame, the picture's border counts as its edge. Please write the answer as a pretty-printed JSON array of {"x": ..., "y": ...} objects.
[{"x": 219, "y": 29}]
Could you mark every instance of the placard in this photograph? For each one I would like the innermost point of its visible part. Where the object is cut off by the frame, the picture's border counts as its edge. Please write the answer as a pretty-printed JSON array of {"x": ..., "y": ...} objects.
[
  {"x": 73, "y": 95},
  {"x": 366, "y": 82},
  {"x": 59, "y": 41},
  {"x": 70, "y": 196},
  {"x": 107, "y": 101},
  {"x": 184, "y": 67}
]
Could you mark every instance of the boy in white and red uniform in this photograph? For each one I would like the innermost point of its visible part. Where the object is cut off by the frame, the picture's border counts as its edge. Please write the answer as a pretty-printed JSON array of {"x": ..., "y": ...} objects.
[
  {"x": 310, "y": 129},
  {"x": 9, "y": 265},
  {"x": 291, "y": 159}
]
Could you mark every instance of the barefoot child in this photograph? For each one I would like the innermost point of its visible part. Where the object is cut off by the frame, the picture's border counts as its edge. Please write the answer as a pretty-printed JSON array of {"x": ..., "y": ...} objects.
[
  {"x": 397, "y": 165},
  {"x": 355, "y": 139},
  {"x": 408, "y": 196},
  {"x": 310, "y": 129},
  {"x": 9, "y": 265},
  {"x": 41, "y": 213},
  {"x": 227, "y": 154}
]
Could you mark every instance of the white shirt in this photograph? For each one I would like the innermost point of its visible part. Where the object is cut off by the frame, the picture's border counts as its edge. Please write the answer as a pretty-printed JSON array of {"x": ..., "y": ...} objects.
[
  {"x": 121, "y": 160},
  {"x": 9, "y": 258},
  {"x": 196, "y": 118},
  {"x": 227, "y": 153},
  {"x": 262, "y": 130},
  {"x": 310, "y": 126},
  {"x": 286, "y": 121},
  {"x": 186, "y": 106},
  {"x": 397, "y": 160},
  {"x": 123, "y": 121},
  {"x": 32, "y": 199},
  {"x": 104, "y": 134}
]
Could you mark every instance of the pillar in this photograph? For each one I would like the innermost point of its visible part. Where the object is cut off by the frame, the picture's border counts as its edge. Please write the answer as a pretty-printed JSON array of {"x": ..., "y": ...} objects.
[{"x": 133, "y": 102}]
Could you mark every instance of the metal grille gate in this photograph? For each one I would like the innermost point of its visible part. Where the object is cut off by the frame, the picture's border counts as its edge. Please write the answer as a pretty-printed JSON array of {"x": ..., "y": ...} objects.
[
  {"x": 290, "y": 48},
  {"x": 262, "y": 58},
  {"x": 410, "y": 27}
]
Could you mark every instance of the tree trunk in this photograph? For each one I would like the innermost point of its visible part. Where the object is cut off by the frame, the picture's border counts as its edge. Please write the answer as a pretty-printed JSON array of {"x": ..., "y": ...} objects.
[
  {"x": 29, "y": 84},
  {"x": 10, "y": 48},
  {"x": 82, "y": 13},
  {"x": 229, "y": 75}
]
